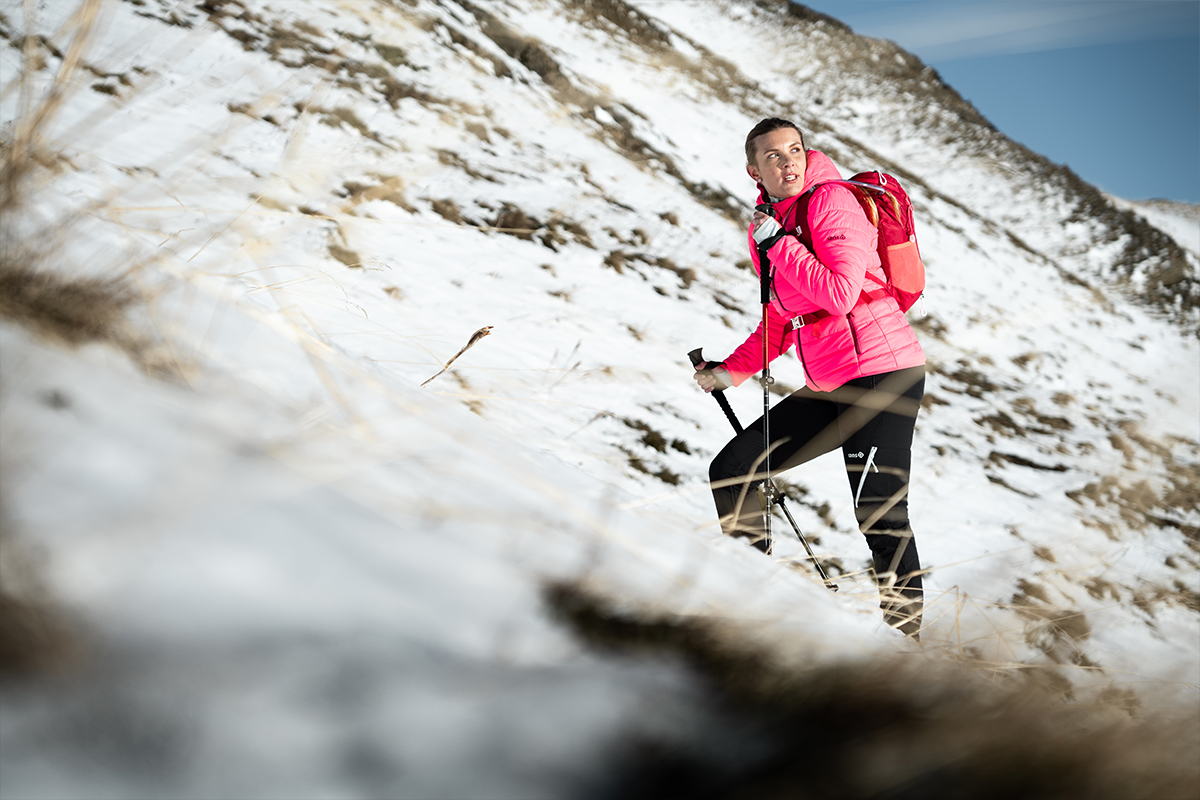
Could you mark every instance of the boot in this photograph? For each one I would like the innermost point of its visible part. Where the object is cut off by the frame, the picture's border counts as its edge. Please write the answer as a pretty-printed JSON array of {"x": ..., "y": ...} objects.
[
  {"x": 751, "y": 524},
  {"x": 902, "y": 604},
  {"x": 898, "y": 574}
]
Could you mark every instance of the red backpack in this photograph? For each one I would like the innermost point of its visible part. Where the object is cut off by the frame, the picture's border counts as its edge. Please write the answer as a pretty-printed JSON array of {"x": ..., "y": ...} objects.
[{"x": 887, "y": 206}]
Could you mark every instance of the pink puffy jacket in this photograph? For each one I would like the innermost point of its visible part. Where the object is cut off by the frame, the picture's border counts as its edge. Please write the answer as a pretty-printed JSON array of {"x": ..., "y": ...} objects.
[{"x": 831, "y": 303}]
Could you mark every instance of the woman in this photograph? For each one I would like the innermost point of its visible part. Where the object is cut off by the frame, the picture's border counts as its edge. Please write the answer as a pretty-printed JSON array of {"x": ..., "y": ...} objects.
[{"x": 864, "y": 369}]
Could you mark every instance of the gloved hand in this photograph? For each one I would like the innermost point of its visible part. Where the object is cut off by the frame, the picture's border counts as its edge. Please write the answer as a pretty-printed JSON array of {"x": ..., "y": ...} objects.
[
  {"x": 765, "y": 228},
  {"x": 713, "y": 377}
]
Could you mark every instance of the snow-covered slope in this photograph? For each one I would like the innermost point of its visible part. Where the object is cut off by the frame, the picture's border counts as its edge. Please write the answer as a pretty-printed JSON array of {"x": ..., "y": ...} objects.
[
  {"x": 292, "y": 569},
  {"x": 1180, "y": 220}
]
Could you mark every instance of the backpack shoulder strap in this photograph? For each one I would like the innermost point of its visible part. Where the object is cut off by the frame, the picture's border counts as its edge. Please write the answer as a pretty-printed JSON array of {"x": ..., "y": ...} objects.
[
  {"x": 863, "y": 192},
  {"x": 799, "y": 211}
]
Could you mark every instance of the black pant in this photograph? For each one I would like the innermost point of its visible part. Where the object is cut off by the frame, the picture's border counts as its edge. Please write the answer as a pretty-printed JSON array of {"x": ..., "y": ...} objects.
[{"x": 872, "y": 420}]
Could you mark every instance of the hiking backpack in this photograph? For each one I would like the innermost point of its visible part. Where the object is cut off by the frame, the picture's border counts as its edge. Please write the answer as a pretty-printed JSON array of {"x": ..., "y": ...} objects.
[{"x": 887, "y": 206}]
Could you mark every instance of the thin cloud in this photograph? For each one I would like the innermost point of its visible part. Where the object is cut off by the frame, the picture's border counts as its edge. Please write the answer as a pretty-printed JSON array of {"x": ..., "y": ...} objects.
[{"x": 944, "y": 31}]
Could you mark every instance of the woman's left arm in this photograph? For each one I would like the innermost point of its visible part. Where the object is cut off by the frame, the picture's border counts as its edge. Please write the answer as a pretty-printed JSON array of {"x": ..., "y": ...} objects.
[{"x": 833, "y": 273}]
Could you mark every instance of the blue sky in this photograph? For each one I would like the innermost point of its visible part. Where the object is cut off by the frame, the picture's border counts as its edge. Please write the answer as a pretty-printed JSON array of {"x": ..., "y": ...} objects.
[{"x": 1110, "y": 87}]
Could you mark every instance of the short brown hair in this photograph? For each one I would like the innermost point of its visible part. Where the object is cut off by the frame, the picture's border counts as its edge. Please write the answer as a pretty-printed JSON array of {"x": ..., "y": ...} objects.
[{"x": 766, "y": 126}]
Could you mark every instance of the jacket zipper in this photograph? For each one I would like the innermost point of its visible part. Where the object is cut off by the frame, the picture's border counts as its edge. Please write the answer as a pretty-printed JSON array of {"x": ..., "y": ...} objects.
[{"x": 800, "y": 355}]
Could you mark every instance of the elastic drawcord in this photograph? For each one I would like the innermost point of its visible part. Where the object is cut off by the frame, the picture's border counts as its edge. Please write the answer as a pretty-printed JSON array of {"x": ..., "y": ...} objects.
[{"x": 866, "y": 468}]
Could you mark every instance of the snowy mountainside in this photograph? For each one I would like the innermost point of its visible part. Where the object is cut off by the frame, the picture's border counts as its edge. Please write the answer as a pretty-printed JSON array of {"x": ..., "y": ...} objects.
[
  {"x": 883, "y": 99},
  {"x": 246, "y": 493},
  {"x": 1180, "y": 220}
]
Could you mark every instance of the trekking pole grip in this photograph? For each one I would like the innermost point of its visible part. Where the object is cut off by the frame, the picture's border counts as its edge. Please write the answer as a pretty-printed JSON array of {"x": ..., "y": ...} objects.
[{"x": 697, "y": 359}]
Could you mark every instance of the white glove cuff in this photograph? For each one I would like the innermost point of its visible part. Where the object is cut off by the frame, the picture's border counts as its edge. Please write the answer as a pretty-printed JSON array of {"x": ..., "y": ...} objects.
[
  {"x": 723, "y": 378},
  {"x": 765, "y": 230}
]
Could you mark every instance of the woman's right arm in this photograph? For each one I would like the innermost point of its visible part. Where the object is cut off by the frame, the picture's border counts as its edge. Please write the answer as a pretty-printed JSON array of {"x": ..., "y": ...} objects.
[{"x": 747, "y": 359}]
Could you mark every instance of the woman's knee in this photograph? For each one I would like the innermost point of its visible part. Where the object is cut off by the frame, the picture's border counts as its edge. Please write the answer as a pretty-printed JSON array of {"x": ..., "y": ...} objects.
[
  {"x": 736, "y": 458},
  {"x": 717, "y": 468}
]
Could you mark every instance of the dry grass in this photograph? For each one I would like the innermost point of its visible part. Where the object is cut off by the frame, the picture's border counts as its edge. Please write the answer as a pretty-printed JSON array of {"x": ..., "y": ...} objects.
[
  {"x": 902, "y": 729},
  {"x": 618, "y": 16},
  {"x": 662, "y": 473},
  {"x": 39, "y": 292},
  {"x": 390, "y": 188},
  {"x": 620, "y": 260},
  {"x": 35, "y": 638},
  {"x": 35, "y": 635},
  {"x": 71, "y": 310},
  {"x": 512, "y": 220}
]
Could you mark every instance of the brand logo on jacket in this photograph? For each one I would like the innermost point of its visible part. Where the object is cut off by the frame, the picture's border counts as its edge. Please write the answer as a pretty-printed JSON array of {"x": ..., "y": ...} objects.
[{"x": 856, "y": 455}]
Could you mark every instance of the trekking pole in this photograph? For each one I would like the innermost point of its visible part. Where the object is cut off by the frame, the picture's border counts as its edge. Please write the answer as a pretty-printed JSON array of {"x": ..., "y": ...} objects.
[
  {"x": 697, "y": 359},
  {"x": 764, "y": 283}
]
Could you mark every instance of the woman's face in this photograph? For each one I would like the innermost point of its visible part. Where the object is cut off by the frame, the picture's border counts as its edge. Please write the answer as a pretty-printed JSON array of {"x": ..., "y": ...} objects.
[{"x": 780, "y": 163}]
